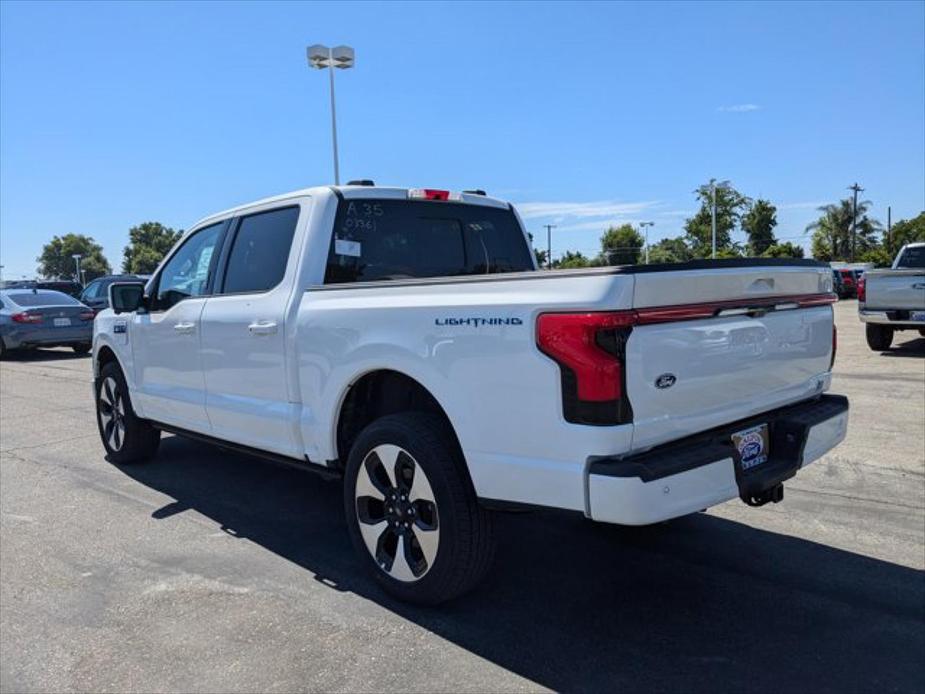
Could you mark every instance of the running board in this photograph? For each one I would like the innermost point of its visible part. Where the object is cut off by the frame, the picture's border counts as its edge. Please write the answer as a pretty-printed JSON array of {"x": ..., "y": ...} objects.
[{"x": 322, "y": 470}]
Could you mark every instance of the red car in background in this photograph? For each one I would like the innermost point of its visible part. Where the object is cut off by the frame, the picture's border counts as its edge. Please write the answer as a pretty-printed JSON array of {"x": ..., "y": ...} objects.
[{"x": 849, "y": 282}]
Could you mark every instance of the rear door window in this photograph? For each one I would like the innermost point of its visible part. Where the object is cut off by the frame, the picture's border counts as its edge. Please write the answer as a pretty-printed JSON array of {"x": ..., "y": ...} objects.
[
  {"x": 401, "y": 239},
  {"x": 260, "y": 251}
]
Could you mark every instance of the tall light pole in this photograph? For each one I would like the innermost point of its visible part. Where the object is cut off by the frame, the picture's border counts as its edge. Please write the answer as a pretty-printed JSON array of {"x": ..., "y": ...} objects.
[
  {"x": 340, "y": 57},
  {"x": 854, "y": 220},
  {"x": 77, "y": 257},
  {"x": 549, "y": 228},
  {"x": 646, "y": 225}
]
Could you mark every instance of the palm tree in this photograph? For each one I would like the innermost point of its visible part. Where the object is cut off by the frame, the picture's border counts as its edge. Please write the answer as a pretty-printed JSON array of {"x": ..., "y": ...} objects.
[{"x": 832, "y": 231}]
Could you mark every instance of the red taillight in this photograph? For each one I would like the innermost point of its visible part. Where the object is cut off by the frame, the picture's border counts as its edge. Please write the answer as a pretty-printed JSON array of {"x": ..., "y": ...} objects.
[
  {"x": 862, "y": 288},
  {"x": 574, "y": 341},
  {"x": 429, "y": 194},
  {"x": 26, "y": 317},
  {"x": 87, "y": 315}
]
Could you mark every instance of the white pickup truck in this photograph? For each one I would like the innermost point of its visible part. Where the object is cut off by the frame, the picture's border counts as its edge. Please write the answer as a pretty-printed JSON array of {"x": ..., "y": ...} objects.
[
  {"x": 405, "y": 340},
  {"x": 894, "y": 299}
]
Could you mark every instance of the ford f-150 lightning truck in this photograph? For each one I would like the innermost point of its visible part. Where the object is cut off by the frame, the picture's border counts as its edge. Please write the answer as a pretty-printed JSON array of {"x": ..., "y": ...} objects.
[{"x": 405, "y": 340}]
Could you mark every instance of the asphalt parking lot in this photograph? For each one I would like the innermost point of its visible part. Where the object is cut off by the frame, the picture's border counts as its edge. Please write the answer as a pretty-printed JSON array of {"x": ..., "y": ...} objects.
[{"x": 210, "y": 571}]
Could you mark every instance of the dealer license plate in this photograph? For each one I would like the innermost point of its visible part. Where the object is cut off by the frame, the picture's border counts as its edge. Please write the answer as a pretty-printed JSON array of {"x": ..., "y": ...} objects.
[
  {"x": 753, "y": 446},
  {"x": 917, "y": 315}
]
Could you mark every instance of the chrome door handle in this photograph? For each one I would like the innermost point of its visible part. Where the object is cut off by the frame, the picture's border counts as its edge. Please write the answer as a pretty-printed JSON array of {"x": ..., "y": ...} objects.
[
  {"x": 185, "y": 328},
  {"x": 262, "y": 327}
]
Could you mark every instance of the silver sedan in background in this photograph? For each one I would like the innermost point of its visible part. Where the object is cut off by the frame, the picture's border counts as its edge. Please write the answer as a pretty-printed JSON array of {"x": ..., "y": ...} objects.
[{"x": 43, "y": 318}]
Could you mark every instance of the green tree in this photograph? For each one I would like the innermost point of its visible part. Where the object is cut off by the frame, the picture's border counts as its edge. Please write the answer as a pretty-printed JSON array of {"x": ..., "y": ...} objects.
[
  {"x": 903, "y": 232},
  {"x": 147, "y": 246},
  {"x": 669, "y": 251},
  {"x": 57, "y": 259},
  {"x": 783, "y": 250},
  {"x": 571, "y": 260},
  {"x": 730, "y": 205},
  {"x": 621, "y": 245},
  {"x": 831, "y": 238},
  {"x": 759, "y": 222},
  {"x": 879, "y": 256}
]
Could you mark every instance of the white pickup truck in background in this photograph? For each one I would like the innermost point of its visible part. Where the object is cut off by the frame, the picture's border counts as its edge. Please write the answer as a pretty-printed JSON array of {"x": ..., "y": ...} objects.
[
  {"x": 891, "y": 300},
  {"x": 403, "y": 339}
]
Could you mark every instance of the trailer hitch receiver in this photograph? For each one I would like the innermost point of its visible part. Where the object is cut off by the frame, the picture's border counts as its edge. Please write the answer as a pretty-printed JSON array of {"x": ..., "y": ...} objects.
[{"x": 772, "y": 495}]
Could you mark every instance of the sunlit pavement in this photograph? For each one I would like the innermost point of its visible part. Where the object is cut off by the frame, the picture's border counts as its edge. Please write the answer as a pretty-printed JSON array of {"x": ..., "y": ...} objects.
[{"x": 209, "y": 571}]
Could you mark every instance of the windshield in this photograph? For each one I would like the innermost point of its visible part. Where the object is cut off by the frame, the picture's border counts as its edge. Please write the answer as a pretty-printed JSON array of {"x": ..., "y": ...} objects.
[
  {"x": 41, "y": 298},
  {"x": 912, "y": 258},
  {"x": 379, "y": 239}
]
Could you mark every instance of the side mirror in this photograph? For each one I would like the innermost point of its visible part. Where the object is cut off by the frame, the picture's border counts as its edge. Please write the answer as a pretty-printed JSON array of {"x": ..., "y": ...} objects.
[{"x": 125, "y": 297}]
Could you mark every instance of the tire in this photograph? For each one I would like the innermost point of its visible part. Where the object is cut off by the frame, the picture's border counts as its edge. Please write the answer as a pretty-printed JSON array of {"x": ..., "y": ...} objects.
[
  {"x": 879, "y": 337},
  {"x": 126, "y": 437},
  {"x": 82, "y": 348},
  {"x": 3, "y": 349},
  {"x": 921, "y": 332},
  {"x": 446, "y": 545}
]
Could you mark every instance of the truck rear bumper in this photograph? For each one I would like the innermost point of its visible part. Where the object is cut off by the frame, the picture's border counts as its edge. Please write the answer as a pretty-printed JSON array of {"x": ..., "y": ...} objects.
[
  {"x": 886, "y": 317},
  {"x": 701, "y": 471}
]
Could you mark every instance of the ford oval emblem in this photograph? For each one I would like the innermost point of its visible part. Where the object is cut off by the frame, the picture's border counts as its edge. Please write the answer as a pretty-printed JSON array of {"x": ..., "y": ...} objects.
[{"x": 665, "y": 381}]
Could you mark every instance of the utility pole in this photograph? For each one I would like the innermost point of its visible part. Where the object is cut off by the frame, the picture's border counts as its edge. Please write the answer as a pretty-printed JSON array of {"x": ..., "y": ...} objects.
[
  {"x": 549, "y": 228},
  {"x": 646, "y": 225},
  {"x": 889, "y": 230},
  {"x": 854, "y": 220},
  {"x": 713, "y": 213}
]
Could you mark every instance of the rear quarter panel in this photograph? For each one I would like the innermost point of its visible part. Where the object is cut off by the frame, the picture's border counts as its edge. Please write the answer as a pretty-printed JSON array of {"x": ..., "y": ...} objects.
[{"x": 501, "y": 394}]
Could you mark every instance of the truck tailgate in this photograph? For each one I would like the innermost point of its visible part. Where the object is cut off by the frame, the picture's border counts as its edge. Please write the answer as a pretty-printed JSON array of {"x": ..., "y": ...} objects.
[
  {"x": 744, "y": 341},
  {"x": 895, "y": 289}
]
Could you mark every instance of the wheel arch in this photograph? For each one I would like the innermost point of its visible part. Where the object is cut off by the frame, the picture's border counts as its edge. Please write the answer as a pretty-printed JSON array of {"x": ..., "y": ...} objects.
[
  {"x": 105, "y": 355},
  {"x": 382, "y": 392}
]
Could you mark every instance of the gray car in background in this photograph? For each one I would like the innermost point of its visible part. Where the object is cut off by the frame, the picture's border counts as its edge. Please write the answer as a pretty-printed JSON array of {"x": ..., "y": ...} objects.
[{"x": 43, "y": 318}]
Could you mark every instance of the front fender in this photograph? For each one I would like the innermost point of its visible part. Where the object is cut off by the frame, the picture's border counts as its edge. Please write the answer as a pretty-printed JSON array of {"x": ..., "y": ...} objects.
[{"x": 111, "y": 331}]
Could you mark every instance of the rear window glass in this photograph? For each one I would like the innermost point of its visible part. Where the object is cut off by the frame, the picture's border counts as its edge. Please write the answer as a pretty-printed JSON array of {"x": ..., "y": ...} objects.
[
  {"x": 41, "y": 298},
  {"x": 260, "y": 251},
  {"x": 912, "y": 258},
  {"x": 403, "y": 239}
]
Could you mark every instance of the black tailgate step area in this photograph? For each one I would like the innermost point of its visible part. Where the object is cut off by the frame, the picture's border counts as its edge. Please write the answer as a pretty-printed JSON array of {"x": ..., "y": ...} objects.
[{"x": 788, "y": 428}]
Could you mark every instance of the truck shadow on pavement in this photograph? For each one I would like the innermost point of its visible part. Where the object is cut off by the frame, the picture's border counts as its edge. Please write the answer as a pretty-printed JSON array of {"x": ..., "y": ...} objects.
[
  {"x": 700, "y": 604},
  {"x": 909, "y": 348}
]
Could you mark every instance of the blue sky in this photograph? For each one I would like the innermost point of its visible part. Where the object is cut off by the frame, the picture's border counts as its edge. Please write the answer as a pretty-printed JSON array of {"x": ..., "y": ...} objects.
[{"x": 114, "y": 114}]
